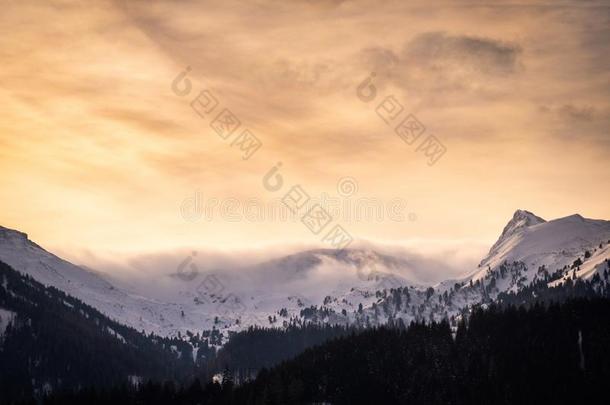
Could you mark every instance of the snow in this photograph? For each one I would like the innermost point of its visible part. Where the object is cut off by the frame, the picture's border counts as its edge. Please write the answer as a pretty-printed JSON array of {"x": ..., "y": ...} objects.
[
  {"x": 6, "y": 317},
  {"x": 130, "y": 309},
  {"x": 47, "y": 388},
  {"x": 134, "y": 380},
  {"x": 116, "y": 334},
  {"x": 553, "y": 244},
  {"x": 249, "y": 295},
  {"x": 596, "y": 264},
  {"x": 175, "y": 350},
  {"x": 296, "y": 283}
]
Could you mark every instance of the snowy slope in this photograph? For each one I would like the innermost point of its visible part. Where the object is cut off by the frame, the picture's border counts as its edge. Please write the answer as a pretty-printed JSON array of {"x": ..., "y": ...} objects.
[
  {"x": 529, "y": 249},
  {"x": 337, "y": 283},
  {"x": 142, "y": 313},
  {"x": 226, "y": 301},
  {"x": 248, "y": 295},
  {"x": 189, "y": 309},
  {"x": 553, "y": 244},
  {"x": 6, "y": 317}
]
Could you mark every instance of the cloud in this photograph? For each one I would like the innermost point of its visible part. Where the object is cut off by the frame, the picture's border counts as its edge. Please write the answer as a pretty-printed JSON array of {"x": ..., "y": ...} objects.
[
  {"x": 438, "y": 50},
  {"x": 149, "y": 122},
  {"x": 282, "y": 269},
  {"x": 571, "y": 112},
  {"x": 431, "y": 65},
  {"x": 381, "y": 60},
  {"x": 90, "y": 121},
  {"x": 585, "y": 123}
]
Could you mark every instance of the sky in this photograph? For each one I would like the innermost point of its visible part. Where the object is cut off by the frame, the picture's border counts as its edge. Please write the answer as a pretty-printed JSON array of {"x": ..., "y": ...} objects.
[{"x": 102, "y": 149}]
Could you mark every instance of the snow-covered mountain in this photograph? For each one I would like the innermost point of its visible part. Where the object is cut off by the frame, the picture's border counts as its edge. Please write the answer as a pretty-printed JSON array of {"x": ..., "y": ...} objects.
[
  {"x": 275, "y": 292},
  {"x": 228, "y": 301},
  {"x": 378, "y": 266},
  {"x": 323, "y": 285},
  {"x": 554, "y": 244},
  {"x": 92, "y": 288},
  {"x": 530, "y": 251},
  {"x": 52, "y": 339}
]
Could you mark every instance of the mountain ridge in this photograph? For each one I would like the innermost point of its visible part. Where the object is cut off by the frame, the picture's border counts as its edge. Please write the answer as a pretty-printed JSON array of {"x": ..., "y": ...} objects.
[{"x": 527, "y": 239}]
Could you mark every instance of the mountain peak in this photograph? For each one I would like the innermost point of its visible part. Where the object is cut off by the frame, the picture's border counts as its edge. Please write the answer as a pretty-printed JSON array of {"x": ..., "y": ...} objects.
[
  {"x": 526, "y": 214},
  {"x": 7, "y": 233},
  {"x": 576, "y": 217},
  {"x": 521, "y": 219}
]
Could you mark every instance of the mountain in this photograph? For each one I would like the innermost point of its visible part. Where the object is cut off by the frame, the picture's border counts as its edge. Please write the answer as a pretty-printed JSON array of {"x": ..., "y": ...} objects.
[
  {"x": 227, "y": 301},
  {"x": 554, "y": 244},
  {"x": 299, "y": 264},
  {"x": 50, "y": 340},
  {"x": 532, "y": 259},
  {"x": 56, "y": 319},
  {"x": 553, "y": 354},
  {"x": 278, "y": 292},
  {"x": 358, "y": 286},
  {"x": 92, "y": 288}
]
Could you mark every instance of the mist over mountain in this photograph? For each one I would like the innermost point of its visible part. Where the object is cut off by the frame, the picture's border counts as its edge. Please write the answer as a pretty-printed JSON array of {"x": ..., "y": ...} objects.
[{"x": 167, "y": 294}]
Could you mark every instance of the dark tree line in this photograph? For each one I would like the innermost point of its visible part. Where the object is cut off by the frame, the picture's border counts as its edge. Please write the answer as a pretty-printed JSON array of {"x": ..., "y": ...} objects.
[
  {"x": 525, "y": 349},
  {"x": 571, "y": 288},
  {"x": 513, "y": 355},
  {"x": 57, "y": 341},
  {"x": 249, "y": 351}
]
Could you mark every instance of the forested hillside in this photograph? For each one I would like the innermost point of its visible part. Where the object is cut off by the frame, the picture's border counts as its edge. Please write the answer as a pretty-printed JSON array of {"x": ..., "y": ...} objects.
[
  {"x": 50, "y": 340},
  {"x": 555, "y": 354}
]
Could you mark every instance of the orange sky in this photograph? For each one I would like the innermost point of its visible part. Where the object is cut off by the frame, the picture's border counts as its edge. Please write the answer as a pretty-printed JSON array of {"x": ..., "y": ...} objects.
[{"x": 97, "y": 152}]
